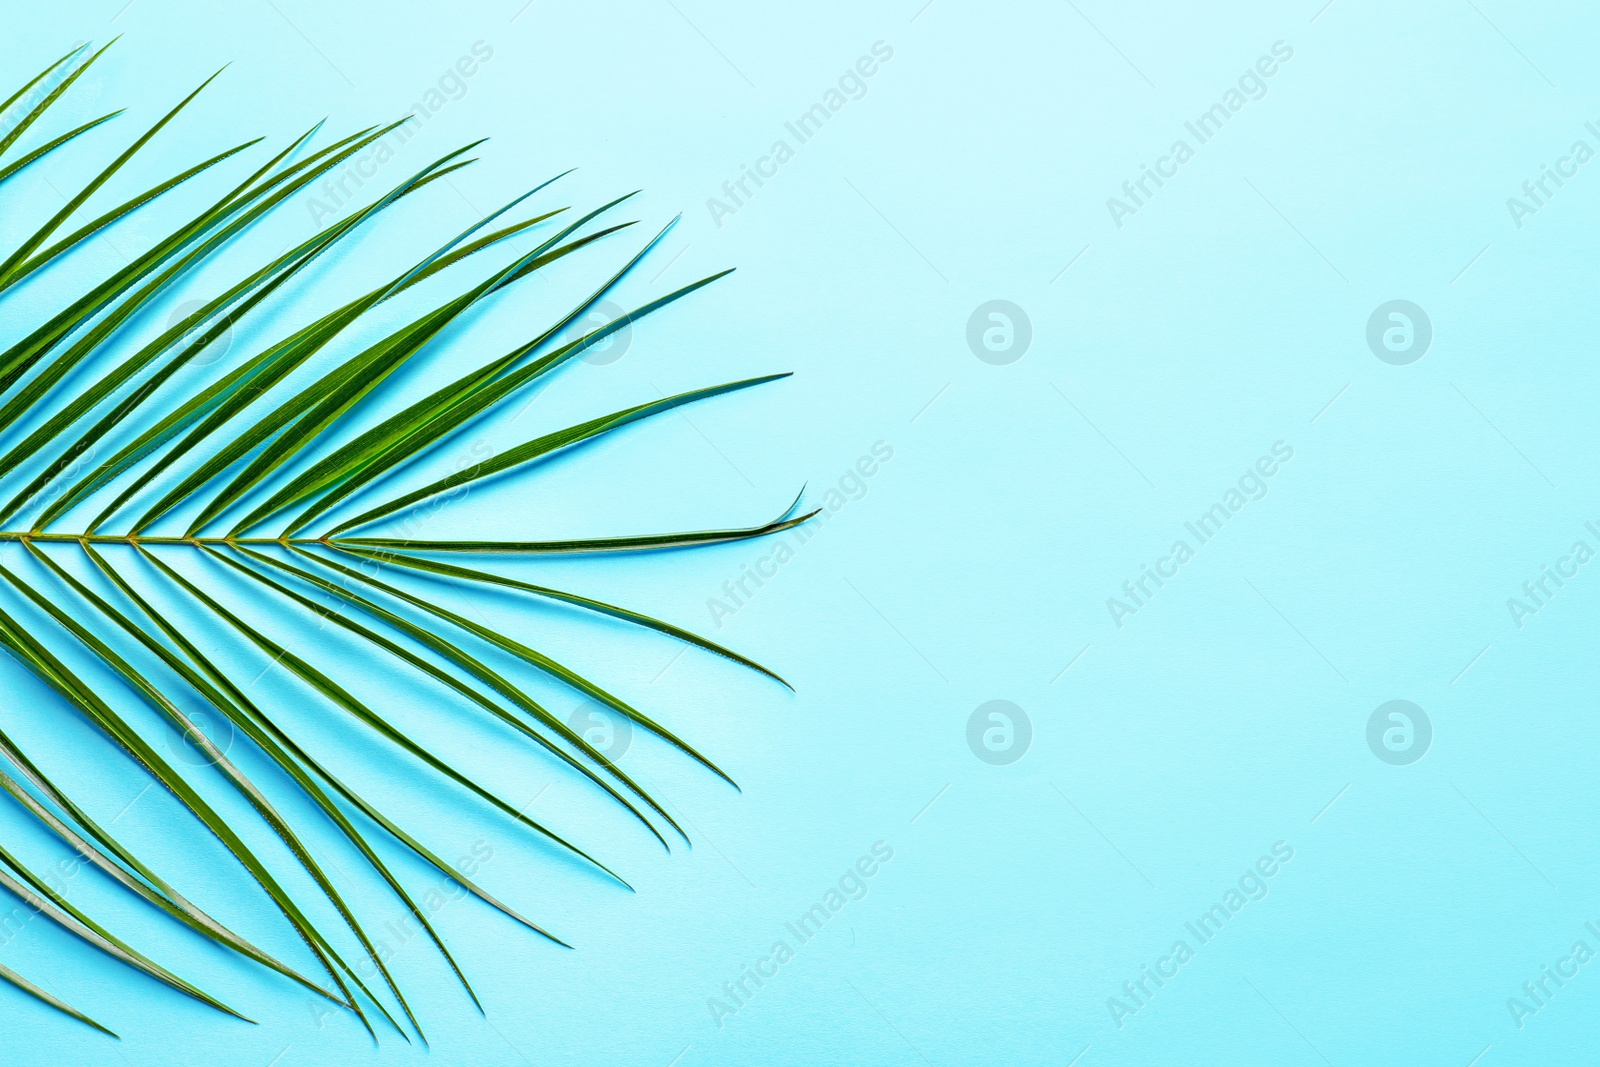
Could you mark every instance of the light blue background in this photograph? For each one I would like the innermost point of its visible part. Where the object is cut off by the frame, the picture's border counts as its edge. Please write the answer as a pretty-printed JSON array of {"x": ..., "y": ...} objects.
[{"x": 1168, "y": 354}]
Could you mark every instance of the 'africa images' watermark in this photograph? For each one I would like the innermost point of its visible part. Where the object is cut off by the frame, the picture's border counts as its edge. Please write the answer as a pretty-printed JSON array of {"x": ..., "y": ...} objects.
[
  {"x": 1251, "y": 85},
  {"x": 851, "y": 485},
  {"x": 401, "y": 930},
  {"x": 1253, "y": 884},
  {"x": 753, "y": 977},
  {"x": 59, "y": 876},
  {"x": 1537, "y": 192},
  {"x": 1251, "y": 485},
  {"x": 1552, "y": 578},
  {"x": 363, "y": 166},
  {"x": 736, "y": 192},
  {"x": 1536, "y": 992}
]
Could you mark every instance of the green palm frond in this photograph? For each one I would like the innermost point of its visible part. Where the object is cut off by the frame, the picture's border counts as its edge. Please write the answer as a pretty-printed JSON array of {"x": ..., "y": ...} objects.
[{"x": 247, "y": 447}]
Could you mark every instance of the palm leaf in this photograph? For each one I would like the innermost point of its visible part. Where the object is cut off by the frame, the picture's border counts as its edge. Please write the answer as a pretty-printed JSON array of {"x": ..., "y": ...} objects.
[{"x": 294, "y": 431}]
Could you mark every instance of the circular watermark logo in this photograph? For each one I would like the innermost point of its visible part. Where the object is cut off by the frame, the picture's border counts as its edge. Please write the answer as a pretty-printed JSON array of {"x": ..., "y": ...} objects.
[
  {"x": 999, "y": 732},
  {"x": 188, "y": 743},
  {"x": 607, "y": 732},
  {"x": 219, "y": 345},
  {"x": 999, "y": 332},
  {"x": 1399, "y": 332},
  {"x": 1399, "y": 732},
  {"x": 613, "y": 346}
]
